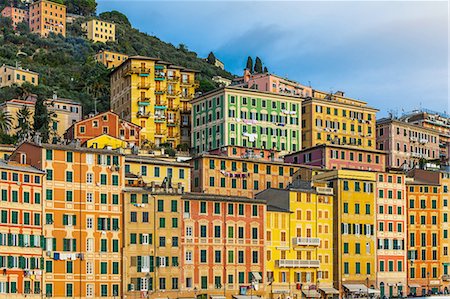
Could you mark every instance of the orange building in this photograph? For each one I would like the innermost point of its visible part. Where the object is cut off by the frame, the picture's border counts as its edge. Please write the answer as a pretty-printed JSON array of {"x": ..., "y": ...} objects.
[
  {"x": 47, "y": 16},
  {"x": 424, "y": 221},
  {"x": 107, "y": 123},
  {"x": 20, "y": 229},
  {"x": 82, "y": 218},
  {"x": 238, "y": 176},
  {"x": 17, "y": 15}
]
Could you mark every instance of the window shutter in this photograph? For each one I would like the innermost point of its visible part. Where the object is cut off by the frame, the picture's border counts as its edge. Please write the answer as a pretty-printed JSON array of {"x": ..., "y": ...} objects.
[
  {"x": 42, "y": 263},
  {"x": 9, "y": 239},
  {"x": 139, "y": 263},
  {"x": 21, "y": 262},
  {"x": 43, "y": 243},
  {"x": 54, "y": 244},
  {"x": 152, "y": 263},
  {"x": 32, "y": 263},
  {"x": 10, "y": 261},
  {"x": 140, "y": 238},
  {"x": 109, "y": 223},
  {"x": 157, "y": 261},
  {"x": 20, "y": 240},
  {"x": 74, "y": 244},
  {"x": 133, "y": 261},
  {"x": 99, "y": 223},
  {"x": 65, "y": 219},
  {"x": 167, "y": 261}
]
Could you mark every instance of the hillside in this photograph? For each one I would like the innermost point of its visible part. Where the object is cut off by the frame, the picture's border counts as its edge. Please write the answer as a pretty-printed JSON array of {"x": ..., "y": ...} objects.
[{"x": 66, "y": 65}]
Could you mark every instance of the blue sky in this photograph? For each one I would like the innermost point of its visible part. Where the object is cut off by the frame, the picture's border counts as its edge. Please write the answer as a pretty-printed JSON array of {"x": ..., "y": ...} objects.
[{"x": 394, "y": 55}]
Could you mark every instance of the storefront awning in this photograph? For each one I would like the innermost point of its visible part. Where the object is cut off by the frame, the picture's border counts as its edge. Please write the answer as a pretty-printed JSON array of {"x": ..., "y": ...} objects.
[
  {"x": 256, "y": 275},
  {"x": 246, "y": 297},
  {"x": 356, "y": 288},
  {"x": 373, "y": 291},
  {"x": 414, "y": 285},
  {"x": 217, "y": 297},
  {"x": 330, "y": 291},
  {"x": 311, "y": 294}
]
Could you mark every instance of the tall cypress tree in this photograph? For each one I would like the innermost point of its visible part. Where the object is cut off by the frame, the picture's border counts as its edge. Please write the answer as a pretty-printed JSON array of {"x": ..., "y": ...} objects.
[
  {"x": 258, "y": 65},
  {"x": 211, "y": 58},
  {"x": 41, "y": 119},
  {"x": 249, "y": 65},
  {"x": 266, "y": 70}
]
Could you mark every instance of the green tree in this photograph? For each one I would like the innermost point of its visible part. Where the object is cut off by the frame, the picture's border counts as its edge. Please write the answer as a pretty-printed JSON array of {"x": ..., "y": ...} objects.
[
  {"x": 5, "y": 122},
  {"x": 24, "y": 130},
  {"x": 211, "y": 58},
  {"x": 41, "y": 119},
  {"x": 266, "y": 70},
  {"x": 258, "y": 65},
  {"x": 115, "y": 17},
  {"x": 82, "y": 7},
  {"x": 249, "y": 64}
]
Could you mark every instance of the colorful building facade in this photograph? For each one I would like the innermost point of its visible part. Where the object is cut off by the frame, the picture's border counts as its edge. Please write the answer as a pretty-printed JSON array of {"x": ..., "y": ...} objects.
[
  {"x": 65, "y": 112},
  {"x": 21, "y": 253},
  {"x": 155, "y": 95},
  {"x": 110, "y": 59},
  {"x": 106, "y": 123},
  {"x": 81, "y": 200},
  {"x": 47, "y": 16},
  {"x": 391, "y": 234},
  {"x": 222, "y": 239},
  {"x": 233, "y": 176},
  {"x": 331, "y": 156},
  {"x": 336, "y": 119},
  {"x": 16, "y": 15},
  {"x": 299, "y": 241},
  {"x": 235, "y": 116},
  {"x": 99, "y": 31},
  {"x": 10, "y": 75},
  {"x": 354, "y": 221},
  {"x": 406, "y": 144}
]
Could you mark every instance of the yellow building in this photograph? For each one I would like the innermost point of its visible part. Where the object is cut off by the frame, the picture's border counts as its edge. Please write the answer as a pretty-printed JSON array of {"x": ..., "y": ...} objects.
[
  {"x": 10, "y": 75},
  {"x": 12, "y": 107},
  {"x": 99, "y": 31},
  {"x": 6, "y": 150},
  {"x": 155, "y": 172},
  {"x": 110, "y": 59},
  {"x": 336, "y": 119},
  {"x": 354, "y": 234},
  {"x": 106, "y": 141},
  {"x": 66, "y": 112},
  {"x": 152, "y": 235},
  {"x": 155, "y": 95},
  {"x": 47, "y": 16},
  {"x": 299, "y": 240}
]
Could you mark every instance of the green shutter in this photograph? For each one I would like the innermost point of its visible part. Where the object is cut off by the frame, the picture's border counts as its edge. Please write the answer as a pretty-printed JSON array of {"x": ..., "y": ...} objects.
[{"x": 139, "y": 263}]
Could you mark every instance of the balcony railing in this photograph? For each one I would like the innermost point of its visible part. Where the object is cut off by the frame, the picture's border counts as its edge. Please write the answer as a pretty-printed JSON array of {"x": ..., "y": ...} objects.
[
  {"x": 172, "y": 122},
  {"x": 306, "y": 241},
  {"x": 143, "y": 114},
  {"x": 172, "y": 93},
  {"x": 173, "y": 79},
  {"x": 298, "y": 263},
  {"x": 160, "y": 91},
  {"x": 144, "y": 85},
  {"x": 173, "y": 107},
  {"x": 160, "y": 133},
  {"x": 136, "y": 70}
]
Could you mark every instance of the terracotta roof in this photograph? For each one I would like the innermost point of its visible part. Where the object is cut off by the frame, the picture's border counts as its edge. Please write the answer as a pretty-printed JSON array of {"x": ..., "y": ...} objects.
[
  {"x": 216, "y": 197},
  {"x": 10, "y": 165}
]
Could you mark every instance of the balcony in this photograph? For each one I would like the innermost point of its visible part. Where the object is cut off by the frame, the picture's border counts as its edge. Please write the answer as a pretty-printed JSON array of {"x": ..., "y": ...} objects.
[
  {"x": 191, "y": 83},
  {"x": 142, "y": 114},
  {"x": 160, "y": 133},
  {"x": 173, "y": 79},
  {"x": 423, "y": 140},
  {"x": 306, "y": 241},
  {"x": 173, "y": 94},
  {"x": 187, "y": 97},
  {"x": 144, "y": 85},
  {"x": 172, "y": 122},
  {"x": 160, "y": 76},
  {"x": 159, "y": 91},
  {"x": 297, "y": 263},
  {"x": 173, "y": 136},
  {"x": 416, "y": 155},
  {"x": 160, "y": 118},
  {"x": 143, "y": 101},
  {"x": 142, "y": 71},
  {"x": 161, "y": 105},
  {"x": 173, "y": 107},
  {"x": 413, "y": 139},
  {"x": 185, "y": 110},
  {"x": 159, "y": 67}
]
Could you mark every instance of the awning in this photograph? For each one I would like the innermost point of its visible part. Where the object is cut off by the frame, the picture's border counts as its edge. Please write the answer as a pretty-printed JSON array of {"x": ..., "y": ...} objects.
[
  {"x": 414, "y": 285},
  {"x": 356, "y": 288},
  {"x": 217, "y": 297},
  {"x": 374, "y": 291},
  {"x": 329, "y": 290},
  {"x": 311, "y": 294},
  {"x": 256, "y": 275},
  {"x": 246, "y": 297}
]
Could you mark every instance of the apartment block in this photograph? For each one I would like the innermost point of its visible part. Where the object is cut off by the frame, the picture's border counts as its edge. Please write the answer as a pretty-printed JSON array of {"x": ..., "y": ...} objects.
[
  {"x": 235, "y": 116},
  {"x": 10, "y": 75},
  {"x": 106, "y": 124},
  {"x": 406, "y": 144},
  {"x": 299, "y": 241},
  {"x": 152, "y": 254},
  {"x": 21, "y": 236},
  {"x": 222, "y": 246},
  {"x": 12, "y": 107},
  {"x": 47, "y": 17},
  {"x": 83, "y": 212},
  {"x": 110, "y": 59},
  {"x": 99, "y": 31},
  {"x": 235, "y": 176},
  {"x": 155, "y": 95},
  {"x": 333, "y": 156},
  {"x": 333, "y": 118},
  {"x": 391, "y": 234},
  {"x": 354, "y": 219},
  {"x": 66, "y": 113},
  {"x": 16, "y": 15},
  {"x": 272, "y": 83}
]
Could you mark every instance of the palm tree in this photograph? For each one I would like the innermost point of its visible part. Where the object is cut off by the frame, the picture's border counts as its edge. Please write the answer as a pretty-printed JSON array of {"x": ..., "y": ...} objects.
[
  {"x": 24, "y": 123},
  {"x": 5, "y": 121}
]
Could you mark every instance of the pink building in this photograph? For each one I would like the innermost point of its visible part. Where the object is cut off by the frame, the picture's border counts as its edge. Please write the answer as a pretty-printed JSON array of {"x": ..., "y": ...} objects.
[
  {"x": 272, "y": 83},
  {"x": 17, "y": 15},
  {"x": 248, "y": 153},
  {"x": 406, "y": 144},
  {"x": 332, "y": 156}
]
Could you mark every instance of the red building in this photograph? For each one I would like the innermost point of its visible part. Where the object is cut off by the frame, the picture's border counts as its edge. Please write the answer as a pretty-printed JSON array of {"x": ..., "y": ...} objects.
[
  {"x": 106, "y": 123},
  {"x": 222, "y": 241}
]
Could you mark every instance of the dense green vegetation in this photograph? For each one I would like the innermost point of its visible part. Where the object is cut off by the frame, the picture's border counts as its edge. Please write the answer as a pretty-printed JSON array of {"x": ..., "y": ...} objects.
[{"x": 66, "y": 65}]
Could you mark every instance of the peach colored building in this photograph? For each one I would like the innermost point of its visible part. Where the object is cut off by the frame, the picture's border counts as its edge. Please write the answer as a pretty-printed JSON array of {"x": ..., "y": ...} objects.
[
  {"x": 333, "y": 156},
  {"x": 272, "y": 83},
  {"x": 104, "y": 123},
  {"x": 83, "y": 212},
  {"x": 47, "y": 16},
  {"x": 233, "y": 176},
  {"x": 17, "y": 15},
  {"x": 110, "y": 59},
  {"x": 10, "y": 75},
  {"x": 406, "y": 144}
]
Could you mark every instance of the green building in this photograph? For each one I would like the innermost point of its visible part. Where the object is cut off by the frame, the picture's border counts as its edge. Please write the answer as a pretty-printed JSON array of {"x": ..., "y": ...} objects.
[{"x": 234, "y": 116}]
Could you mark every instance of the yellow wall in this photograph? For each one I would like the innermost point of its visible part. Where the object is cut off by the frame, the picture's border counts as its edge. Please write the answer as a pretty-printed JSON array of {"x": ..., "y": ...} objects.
[
  {"x": 11, "y": 75},
  {"x": 104, "y": 141},
  {"x": 110, "y": 59},
  {"x": 100, "y": 31}
]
